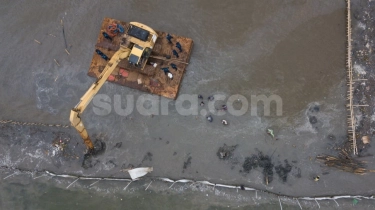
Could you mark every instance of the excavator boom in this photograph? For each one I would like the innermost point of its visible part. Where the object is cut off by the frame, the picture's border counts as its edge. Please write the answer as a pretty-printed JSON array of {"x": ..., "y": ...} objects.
[
  {"x": 140, "y": 36},
  {"x": 75, "y": 113}
]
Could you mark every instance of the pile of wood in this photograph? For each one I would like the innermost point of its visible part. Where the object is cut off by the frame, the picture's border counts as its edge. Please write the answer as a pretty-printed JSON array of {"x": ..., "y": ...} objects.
[{"x": 345, "y": 162}]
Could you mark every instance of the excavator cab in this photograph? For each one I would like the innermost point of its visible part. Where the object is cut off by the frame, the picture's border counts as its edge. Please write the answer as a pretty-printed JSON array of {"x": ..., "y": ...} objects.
[
  {"x": 143, "y": 39},
  {"x": 138, "y": 32},
  {"x": 136, "y": 54}
]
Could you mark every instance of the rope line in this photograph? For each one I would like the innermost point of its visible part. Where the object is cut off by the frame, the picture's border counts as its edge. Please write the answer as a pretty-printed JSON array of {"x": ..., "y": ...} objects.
[
  {"x": 17, "y": 171},
  {"x": 12, "y": 122}
]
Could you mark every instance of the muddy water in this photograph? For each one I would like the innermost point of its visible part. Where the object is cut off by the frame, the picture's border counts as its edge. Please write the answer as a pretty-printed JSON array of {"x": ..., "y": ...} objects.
[{"x": 293, "y": 49}]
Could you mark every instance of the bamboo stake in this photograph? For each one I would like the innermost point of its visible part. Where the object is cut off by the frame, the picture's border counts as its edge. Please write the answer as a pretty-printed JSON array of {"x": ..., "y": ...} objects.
[
  {"x": 56, "y": 62},
  {"x": 127, "y": 186},
  {"x": 72, "y": 183},
  {"x": 317, "y": 202},
  {"x": 350, "y": 75},
  {"x": 298, "y": 203},
  {"x": 281, "y": 207},
  {"x": 148, "y": 186}
]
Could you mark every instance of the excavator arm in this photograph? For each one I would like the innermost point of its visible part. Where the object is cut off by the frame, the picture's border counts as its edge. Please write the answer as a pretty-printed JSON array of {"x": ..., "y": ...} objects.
[{"x": 76, "y": 112}]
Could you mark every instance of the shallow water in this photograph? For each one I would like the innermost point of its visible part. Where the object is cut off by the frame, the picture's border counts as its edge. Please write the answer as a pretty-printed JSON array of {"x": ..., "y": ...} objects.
[
  {"x": 23, "y": 192},
  {"x": 294, "y": 49}
]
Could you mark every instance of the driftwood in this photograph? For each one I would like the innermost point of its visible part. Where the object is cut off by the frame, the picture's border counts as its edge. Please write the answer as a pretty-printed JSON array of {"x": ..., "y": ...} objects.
[{"x": 345, "y": 162}]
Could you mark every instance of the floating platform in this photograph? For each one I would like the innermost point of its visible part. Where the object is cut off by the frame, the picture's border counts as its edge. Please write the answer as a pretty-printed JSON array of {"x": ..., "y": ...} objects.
[{"x": 152, "y": 78}]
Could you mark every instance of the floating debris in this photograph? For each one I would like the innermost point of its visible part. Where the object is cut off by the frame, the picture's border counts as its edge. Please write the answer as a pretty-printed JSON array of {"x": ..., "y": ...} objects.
[
  {"x": 270, "y": 132},
  {"x": 366, "y": 140},
  {"x": 118, "y": 144},
  {"x": 209, "y": 118},
  {"x": 59, "y": 144},
  {"x": 226, "y": 152},
  {"x": 224, "y": 122},
  {"x": 37, "y": 41},
  {"x": 187, "y": 164}
]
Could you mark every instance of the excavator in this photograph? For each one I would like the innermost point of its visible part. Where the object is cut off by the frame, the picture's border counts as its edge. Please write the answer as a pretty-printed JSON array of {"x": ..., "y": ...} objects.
[{"x": 136, "y": 46}]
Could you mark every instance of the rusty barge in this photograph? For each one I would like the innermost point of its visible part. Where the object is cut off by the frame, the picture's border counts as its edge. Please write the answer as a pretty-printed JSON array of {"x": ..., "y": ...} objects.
[{"x": 171, "y": 52}]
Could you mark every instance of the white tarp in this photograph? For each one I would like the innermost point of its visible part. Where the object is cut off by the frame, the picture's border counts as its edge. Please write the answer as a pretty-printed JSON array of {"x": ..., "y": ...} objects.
[{"x": 139, "y": 172}]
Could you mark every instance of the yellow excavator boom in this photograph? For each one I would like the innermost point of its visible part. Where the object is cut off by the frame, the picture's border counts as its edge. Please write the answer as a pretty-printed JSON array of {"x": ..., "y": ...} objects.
[
  {"x": 76, "y": 112},
  {"x": 140, "y": 36}
]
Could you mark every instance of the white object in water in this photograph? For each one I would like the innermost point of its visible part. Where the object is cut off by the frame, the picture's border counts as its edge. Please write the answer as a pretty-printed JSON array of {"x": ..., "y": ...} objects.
[{"x": 139, "y": 172}]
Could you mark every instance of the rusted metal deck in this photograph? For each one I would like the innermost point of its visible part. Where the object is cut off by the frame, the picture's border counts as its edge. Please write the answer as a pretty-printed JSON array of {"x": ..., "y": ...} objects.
[{"x": 152, "y": 78}]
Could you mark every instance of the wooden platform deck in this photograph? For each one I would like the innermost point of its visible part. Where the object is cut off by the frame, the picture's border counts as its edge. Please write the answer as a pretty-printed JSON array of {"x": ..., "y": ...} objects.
[{"x": 151, "y": 79}]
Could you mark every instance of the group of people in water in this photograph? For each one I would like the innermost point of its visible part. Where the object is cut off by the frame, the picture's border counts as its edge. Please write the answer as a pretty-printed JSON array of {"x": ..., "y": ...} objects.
[{"x": 209, "y": 117}]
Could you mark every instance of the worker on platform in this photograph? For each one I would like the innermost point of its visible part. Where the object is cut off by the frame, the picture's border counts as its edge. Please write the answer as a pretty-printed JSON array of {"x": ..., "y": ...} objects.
[
  {"x": 175, "y": 53},
  {"x": 169, "y": 37},
  {"x": 174, "y": 66},
  {"x": 167, "y": 72},
  {"x": 178, "y": 45}
]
